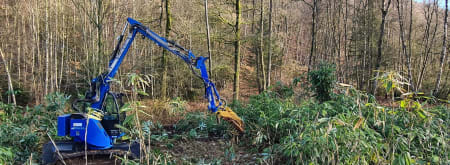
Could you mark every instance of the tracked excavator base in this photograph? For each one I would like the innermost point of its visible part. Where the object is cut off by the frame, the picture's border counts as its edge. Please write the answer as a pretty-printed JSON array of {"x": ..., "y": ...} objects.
[{"x": 74, "y": 153}]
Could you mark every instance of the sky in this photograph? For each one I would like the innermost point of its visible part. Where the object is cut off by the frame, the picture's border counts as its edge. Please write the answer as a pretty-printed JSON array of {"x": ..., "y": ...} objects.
[{"x": 441, "y": 2}]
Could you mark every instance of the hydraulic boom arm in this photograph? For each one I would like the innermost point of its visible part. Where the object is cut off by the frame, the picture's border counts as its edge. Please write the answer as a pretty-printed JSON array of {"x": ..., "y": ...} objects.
[{"x": 216, "y": 104}]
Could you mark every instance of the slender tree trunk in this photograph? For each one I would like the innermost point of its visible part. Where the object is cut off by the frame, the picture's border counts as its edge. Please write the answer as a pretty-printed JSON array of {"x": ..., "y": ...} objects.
[
  {"x": 99, "y": 25},
  {"x": 208, "y": 39},
  {"x": 35, "y": 51},
  {"x": 410, "y": 28},
  {"x": 64, "y": 51},
  {"x": 402, "y": 37},
  {"x": 443, "y": 53},
  {"x": 237, "y": 44},
  {"x": 269, "y": 60},
  {"x": 10, "y": 85},
  {"x": 161, "y": 16},
  {"x": 261, "y": 49},
  {"x": 384, "y": 11},
  {"x": 46, "y": 49},
  {"x": 19, "y": 48},
  {"x": 253, "y": 15},
  {"x": 258, "y": 77},
  {"x": 51, "y": 71},
  {"x": 164, "y": 58},
  {"x": 313, "y": 34},
  {"x": 345, "y": 42},
  {"x": 428, "y": 44}
]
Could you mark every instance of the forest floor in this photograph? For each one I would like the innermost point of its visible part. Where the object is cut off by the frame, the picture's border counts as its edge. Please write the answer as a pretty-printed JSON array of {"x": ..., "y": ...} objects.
[
  {"x": 203, "y": 149},
  {"x": 210, "y": 149},
  {"x": 206, "y": 150}
]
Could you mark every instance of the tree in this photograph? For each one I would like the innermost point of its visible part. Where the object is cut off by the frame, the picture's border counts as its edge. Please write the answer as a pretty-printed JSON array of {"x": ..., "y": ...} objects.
[
  {"x": 430, "y": 11},
  {"x": 96, "y": 15},
  {"x": 46, "y": 49},
  {"x": 269, "y": 60},
  {"x": 237, "y": 53},
  {"x": 315, "y": 11},
  {"x": 402, "y": 38},
  {"x": 165, "y": 53},
  {"x": 443, "y": 52},
  {"x": 260, "y": 57},
  {"x": 208, "y": 39},
  {"x": 10, "y": 85},
  {"x": 384, "y": 11}
]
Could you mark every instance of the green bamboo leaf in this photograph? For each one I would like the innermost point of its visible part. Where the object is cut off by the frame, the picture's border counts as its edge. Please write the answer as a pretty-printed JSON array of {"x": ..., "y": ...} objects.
[
  {"x": 145, "y": 113},
  {"x": 126, "y": 108},
  {"x": 321, "y": 120},
  {"x": 421, "y": 114},
  {"x": 403, "y": 104},
  {"x": 122, "y": 128},
  {"x": 142, "y": 93},
  {"x": 389, "y": 86},
  {"x": 129, "y": 119}
]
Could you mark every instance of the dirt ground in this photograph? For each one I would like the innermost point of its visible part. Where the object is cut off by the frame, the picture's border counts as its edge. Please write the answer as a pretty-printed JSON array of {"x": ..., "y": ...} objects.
[{"x": 208, "y": 151}]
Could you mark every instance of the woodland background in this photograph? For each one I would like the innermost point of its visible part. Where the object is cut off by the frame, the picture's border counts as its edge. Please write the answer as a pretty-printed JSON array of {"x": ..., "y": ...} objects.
[{"x": 60, "y": 45}]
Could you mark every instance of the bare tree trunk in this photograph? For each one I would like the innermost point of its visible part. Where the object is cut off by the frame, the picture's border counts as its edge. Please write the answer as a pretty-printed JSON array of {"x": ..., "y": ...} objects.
[
  {"x": 258, "y": 78},
  {"x": 19, "y": 48},
  {"x": 51, "y": 75},
  {"x": 253, "y": 15},
  {"x": 428, "y": 44},
  {"x": 402, "y": 37},
  {"x": 161, "y": 16},
  {"x": 99, "y": 26},
  {"x": 443, "y": 53},
  {"x": 313, "y": 33},
  {"x": 410, "y": 28},
  {"x": 208, "y": 39},
  {"x": 261, "y": 49},
  {"x": 384, "y": 11},
  {"x": 164, "y": 57},
  {"x": 10, "y": 85},
  {"x": 35, "y": 51},
  {"x": 46, "y": 49},
  {"x": 237, "y": 44},
  {"x": 269, "y": 60},
  {"x": 345, "y": 43}
]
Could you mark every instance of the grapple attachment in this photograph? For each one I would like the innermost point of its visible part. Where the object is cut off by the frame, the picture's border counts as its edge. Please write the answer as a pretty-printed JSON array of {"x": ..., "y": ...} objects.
[{"x": 227, "y": 114}]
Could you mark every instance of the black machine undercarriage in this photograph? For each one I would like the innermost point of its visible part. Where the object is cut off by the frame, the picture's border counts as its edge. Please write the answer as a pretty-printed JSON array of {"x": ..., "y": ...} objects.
[{"x": 69, "y": 152}]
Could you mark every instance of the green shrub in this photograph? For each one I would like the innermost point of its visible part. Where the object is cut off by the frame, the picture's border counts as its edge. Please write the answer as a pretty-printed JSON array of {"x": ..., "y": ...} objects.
[
  {"x": 322, "y": 81},
  {"x": 6, "y": 155},
  {"x": 23, "y": 129},
  {"x": 283, "y": 91},
  {"x": 22, "y": 96}
]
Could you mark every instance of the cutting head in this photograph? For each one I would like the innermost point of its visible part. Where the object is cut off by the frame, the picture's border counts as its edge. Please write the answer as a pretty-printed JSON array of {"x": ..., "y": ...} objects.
[{"x": 227, "y": 114}]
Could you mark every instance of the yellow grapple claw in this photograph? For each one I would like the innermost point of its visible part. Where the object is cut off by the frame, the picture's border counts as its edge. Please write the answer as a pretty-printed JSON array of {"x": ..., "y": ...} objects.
[{"x": 230, "y": 116}]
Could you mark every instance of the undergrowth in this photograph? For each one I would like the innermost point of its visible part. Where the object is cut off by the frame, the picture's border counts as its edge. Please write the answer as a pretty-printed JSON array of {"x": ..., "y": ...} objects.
[
  {"x": 23, "y": 130},
  {"x": 347, "y": 128},
  {"x": 341, "y": 126}
]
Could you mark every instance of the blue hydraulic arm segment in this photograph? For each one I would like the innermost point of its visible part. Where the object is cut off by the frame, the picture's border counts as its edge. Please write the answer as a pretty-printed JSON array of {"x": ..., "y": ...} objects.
[{"x": 186, "y": 55}]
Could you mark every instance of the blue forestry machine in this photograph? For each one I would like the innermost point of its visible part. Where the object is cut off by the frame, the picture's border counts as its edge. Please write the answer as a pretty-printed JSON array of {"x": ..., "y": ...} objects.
[{"x": 93, "y": 130}]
